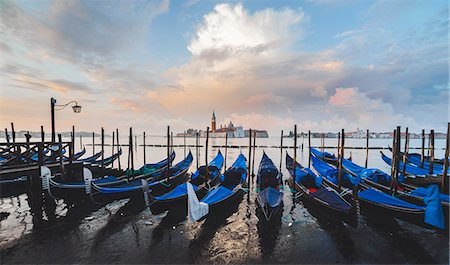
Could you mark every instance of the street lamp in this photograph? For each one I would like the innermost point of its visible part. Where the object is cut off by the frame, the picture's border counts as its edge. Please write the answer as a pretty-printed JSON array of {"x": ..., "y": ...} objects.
[{"x": 76, "y": 108}]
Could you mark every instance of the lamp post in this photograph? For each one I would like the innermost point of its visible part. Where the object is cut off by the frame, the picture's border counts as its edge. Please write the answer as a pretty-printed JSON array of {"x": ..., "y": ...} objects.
[{"x": 76, "y": 108}]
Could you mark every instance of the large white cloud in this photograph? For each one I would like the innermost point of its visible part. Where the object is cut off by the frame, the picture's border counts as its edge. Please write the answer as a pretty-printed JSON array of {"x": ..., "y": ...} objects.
[{"x": 231, "y": 29}]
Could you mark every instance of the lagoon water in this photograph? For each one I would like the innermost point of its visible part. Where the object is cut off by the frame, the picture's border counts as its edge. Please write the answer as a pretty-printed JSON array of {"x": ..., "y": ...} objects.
[{"x": 120, "y": 233}]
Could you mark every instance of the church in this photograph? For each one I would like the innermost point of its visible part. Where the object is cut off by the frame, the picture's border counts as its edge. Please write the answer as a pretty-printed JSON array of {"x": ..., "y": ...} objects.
[{"x": 232, "y": 131}]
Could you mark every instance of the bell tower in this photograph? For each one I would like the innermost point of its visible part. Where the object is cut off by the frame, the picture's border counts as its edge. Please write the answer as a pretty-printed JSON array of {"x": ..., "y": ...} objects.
[{"x": 213, "y": 122}]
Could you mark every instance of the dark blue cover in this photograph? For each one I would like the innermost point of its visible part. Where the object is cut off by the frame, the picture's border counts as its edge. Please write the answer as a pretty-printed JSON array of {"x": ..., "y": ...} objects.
[
  {"x": 331, "y": 198},
  {"x": 271, "y": 196},
  {"x": 437, "y": 168},
  {"x": 372, "y": 174},
  {"x": 226, "y": 189},
  {"x": 379, "y": 197},
  {"x": 217, "y": 162},
  {"x": 218, "y": 194},
  {"x": 434, "y": 215},
  {"x": 179, "y": 191},
  {"x": 413, "y": 170},
  {"x": 317, "y": 153},
  {"x": 302, "y": 175},
  {"x": 268, "y": 174},
  {"x": 332, "y": 173},
  {"x": 423, "y": 192}
]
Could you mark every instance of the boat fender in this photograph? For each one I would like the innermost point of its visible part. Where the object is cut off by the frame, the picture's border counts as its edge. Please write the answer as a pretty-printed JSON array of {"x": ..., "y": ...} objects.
[
  {"x": 45, "y": 177},
  {"x": 146, "y": 191},
  {"x": 87, "y": 176}
]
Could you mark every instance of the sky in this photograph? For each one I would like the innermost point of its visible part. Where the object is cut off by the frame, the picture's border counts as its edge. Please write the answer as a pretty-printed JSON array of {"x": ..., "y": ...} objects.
[{"x": 321, "y": 64}]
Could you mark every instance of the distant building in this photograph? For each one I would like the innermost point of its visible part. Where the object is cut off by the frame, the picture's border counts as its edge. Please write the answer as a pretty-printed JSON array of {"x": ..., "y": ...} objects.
[{"x": 232, "y": 131}]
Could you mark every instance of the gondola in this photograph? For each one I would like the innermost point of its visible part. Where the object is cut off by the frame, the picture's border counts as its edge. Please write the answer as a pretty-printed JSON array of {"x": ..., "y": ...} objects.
[
  {"x": 219, "y": 198},
  {"x": 201, "y": 180},
  {"x": 158, "y": 184},
  {"x": 150, "y": 168},
  {"x": 269, "y": 182},
  {"x": 415, "y": 175},
  {"x": 378, "y": 179},
  {"x": 107, "y": 161},
  {"x": 91, "y": 158},
  {"x": 317, "y": 194},
  {"x": 426, "y": 159},
  {"x": 374, "y": 202},
  {"x": 77, "y": 190}
]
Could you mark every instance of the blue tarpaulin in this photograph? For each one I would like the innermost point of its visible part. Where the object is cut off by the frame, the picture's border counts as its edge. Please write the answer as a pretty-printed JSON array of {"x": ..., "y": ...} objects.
[
  {"x": 271, "y": 196},
  {"x": 433, "y": 210},
  {"x": 180, "y": 190},
  {"x": 413, "y": 170},
  {"x": 423, "y": 192},
  {"x": 372, "y": 174},
  {"x": 331, "y": 173},
  {"x": 434, "y": 215},
  {"x": 217, "y": 195}
]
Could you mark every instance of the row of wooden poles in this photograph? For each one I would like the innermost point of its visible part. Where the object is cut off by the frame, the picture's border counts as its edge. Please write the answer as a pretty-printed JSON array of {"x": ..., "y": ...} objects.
[{"x": 396, "y": 152}]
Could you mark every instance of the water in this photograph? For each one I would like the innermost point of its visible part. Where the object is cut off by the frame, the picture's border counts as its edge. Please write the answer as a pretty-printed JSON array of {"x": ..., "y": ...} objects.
[{"x": 121, "y": 233}]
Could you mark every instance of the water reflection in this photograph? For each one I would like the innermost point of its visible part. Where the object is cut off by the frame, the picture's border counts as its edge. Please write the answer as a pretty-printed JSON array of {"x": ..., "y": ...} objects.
[
  {"x": 210, "y": 227},
  {"x": 268, "y": 232}
]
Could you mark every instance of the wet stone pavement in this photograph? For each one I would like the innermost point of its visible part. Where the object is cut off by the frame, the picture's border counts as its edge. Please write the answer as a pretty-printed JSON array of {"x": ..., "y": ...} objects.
[{"x": 123, "y": 232}]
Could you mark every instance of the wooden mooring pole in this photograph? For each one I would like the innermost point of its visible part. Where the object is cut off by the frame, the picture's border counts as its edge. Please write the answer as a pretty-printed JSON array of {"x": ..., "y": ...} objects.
[
  {"x": 295, "y": 155},
  {"x": 226, "y": 152},
  {"x": 309, "y": 149},
  {"x": 422, "y": 154},
  {"x": 7, "y": 136},
  {"x": 254, "y": 154},
  {"x": 168, "y": 153},
  {"x": 341, "y": 157},
  {"x": 367, "y": 148},
  {"x": 42, "y": 134},
  {"x": 143, "y": 143},
  {"x": 444, "y": 173},
  {"x": 118, "y": 147},
  {"x": 339, "y": 144},
  {"x": 432, "y": 152},
  {"x": 391, "y": 184},
  {"x": 103, "y": 148},
  {"x": 196, "y": 148},
  {"x": 397, "y": 157},
  {"x": 60, "y": 154},
  {"x": 131, "y": 150},
  {"x": 405, "y": 153},
  {"x": 249, "y": 163},
  {"x": 112, "y": 148},
  {"x": 281, "y": 150},
  {"x": 184, "y": 143},
  {"x": 93, "y": 143},
  {"x": 206, "y": 154}
]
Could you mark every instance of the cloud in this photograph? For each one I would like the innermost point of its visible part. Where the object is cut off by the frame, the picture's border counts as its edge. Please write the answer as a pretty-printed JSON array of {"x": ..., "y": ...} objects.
[
  {"x": 84, "y": 32},
  {"x": 231, "y": 30},
  {"x": 360, "y": 110}
]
